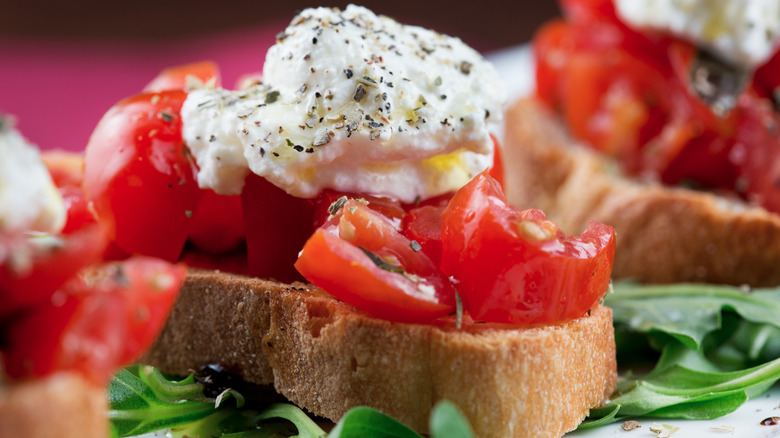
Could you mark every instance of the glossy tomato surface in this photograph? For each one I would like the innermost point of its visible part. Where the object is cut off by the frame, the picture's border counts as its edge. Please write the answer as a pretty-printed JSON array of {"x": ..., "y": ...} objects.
[
  {"x": 359, "y": 257},
  {"x": 140, "y": 177},
  {"x": 516, "y": 266},
  {"x": 277, "y": 226},
  {"x": 43, "y": 263},
  {"x": 99, "y": 320}
]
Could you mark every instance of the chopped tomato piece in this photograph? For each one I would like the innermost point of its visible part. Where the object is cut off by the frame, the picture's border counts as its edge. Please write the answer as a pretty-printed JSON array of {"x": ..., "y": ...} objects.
[
  {"x": 497, "y": 170},
  {"x": 423, "y": 225},
  {"x": 360, "y": 258},
  {"x": 43, "y": 263},
  {"x": 516, "y": 266},
  {"x": 218, "y": 224},
  {"x": 277, "y": 226},
  {"x": 140, "y": 177},
  {"x": 389, "y": 208},
  {"x": 99, "y": 320},
  {"x": 175, "y": 78}
]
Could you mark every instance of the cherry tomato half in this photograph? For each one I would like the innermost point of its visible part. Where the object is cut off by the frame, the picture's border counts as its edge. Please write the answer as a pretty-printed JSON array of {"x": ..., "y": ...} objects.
[
  {"x": 516, "y": 266},
  {"x": 360, "y": 258},
  {"x": 140, "y": 177}
]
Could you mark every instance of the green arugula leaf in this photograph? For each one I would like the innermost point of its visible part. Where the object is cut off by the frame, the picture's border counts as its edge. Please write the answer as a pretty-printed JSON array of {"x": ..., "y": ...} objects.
[
  {"x": 688, "y": 312},
  {"x": 708, "y": 335}
]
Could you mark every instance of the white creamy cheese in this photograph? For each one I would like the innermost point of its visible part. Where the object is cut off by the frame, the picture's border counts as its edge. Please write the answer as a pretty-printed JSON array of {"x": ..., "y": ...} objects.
[
  {"x": 745, "y": 32},
  {"x": 354, "y": 102},
  {"x": 29, "y": 201}
]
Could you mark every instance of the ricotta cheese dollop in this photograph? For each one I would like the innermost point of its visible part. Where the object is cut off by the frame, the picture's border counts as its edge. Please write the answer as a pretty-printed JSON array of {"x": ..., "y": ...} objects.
[
  {"x": 354, "y": 102},
  {"x": 29, "y": 201},
  {"x": 744, "y": 32}
]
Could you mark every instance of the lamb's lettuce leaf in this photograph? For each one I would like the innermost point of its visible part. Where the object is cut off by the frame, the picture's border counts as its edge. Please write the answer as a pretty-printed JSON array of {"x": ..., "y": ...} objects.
[{"x": 143, "y": 400}]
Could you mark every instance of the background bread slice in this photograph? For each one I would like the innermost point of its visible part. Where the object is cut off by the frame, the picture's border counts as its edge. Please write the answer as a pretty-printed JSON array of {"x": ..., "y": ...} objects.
[
  {"x": 64, "y": 405},
  {"x": 327, "y": 357},
  {"x": 664, "y": 235}
]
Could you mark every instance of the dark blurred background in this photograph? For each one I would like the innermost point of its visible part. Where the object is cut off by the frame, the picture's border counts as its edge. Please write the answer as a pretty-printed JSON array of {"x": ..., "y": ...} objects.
[{"x": 486, "y": 24}]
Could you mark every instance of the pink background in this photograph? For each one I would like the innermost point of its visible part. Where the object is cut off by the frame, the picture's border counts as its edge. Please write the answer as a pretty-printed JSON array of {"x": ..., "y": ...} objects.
[{"x": 58, "y": 91}]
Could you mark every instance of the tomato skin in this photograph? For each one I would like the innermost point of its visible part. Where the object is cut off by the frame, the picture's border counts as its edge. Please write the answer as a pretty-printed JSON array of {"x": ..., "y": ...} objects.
[
  {"x": 497, "y": 169},
  {"x": 218, "y": 224},
  {"x": 333, "y": 260},
  {"x": 94, "y": 326},
  {"x": 389, "y": 208},
  {"x": 49, "y": 268},
  {"x": 175, "y": 78},
  {"x": 277, "y": 226},
  {"x": 517, "y": 267},
  {"x": 423, "y": 225},
  {"x": 139, "y": 176},
  {"x": 757, "y": 153}
]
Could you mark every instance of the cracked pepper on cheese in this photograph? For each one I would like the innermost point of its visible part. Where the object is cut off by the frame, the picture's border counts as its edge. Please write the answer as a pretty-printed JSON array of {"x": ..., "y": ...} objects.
[{"x": 354, "y": 102}]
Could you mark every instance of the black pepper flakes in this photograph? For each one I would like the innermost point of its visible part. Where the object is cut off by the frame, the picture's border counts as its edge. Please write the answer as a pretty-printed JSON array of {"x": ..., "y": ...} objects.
[
  {"x": 298, "y": 148},
  {"x": 262, "y": 152},
  {"x": 348, "y": 72},
  {"x": 314, "y": 40},
  {"x": 465, "y": 67},
  {"x": 213, "y": 138},
  {"x": 360, "y": 93},
  {"x": 166, "y": 116}
]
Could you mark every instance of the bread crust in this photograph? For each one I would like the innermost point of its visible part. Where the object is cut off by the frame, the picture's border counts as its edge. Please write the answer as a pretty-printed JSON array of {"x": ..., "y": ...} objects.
[
  {"x": 327, "y": 357},
  {"x": 65, "y": 405},
  {"x": 664, "y": 234}
]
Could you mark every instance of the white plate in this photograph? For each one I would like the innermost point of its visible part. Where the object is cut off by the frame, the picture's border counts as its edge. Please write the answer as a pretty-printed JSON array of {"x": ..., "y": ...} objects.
[{"x": 515, "y": 65}]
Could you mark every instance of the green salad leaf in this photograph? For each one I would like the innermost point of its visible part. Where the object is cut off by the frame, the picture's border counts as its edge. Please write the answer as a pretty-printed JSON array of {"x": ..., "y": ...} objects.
[
  {"x": 718, "y": 348},
  {"x": 142, "y": 400}
]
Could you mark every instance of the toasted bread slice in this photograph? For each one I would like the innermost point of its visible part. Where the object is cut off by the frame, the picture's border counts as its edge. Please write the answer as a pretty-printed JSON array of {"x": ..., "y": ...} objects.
[
  {"x": 664, "y": 234},
  {"x": 327, "y": 357},
  {"x": 65, "y": 405}
]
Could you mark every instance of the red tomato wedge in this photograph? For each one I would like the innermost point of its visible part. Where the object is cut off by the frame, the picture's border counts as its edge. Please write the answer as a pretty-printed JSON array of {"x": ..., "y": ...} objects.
[
  {"x": 46, "y": 262},
  {"x": 175, "y": 78},
  {"x": 99, "y": 320},
  {"x": 218, "y": 224},
  {"x": 278, "y": 225},
  {"x": 389, "y": 208},
  {"x": 140, "y": 177},
  {"x": 360, "y": 258},
  {"x": 515, "y": 266},
  {"x": 423, "y": 225}
]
